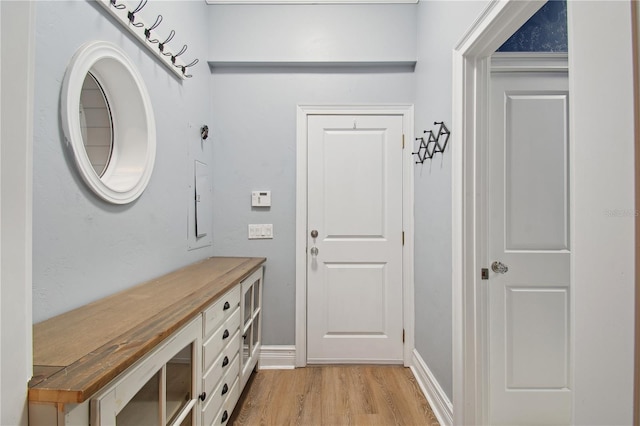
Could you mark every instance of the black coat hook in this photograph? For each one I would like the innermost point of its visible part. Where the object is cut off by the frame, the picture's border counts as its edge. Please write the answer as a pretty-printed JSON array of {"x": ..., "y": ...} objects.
[
  {"x": 427, "y": 149},
  {"x": 164, "y": 43},
  {"x": 173, "y": 57},
  {"x": 184, "y": 67},
  {"x": 117, "y": 6},
  {"x": 147, "y": 31},
  {"x": 132, "y": 14}
]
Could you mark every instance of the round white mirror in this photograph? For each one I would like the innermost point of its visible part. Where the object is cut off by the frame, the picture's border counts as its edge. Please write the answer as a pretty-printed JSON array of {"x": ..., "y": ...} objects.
[{"x": 108, "y": 122}]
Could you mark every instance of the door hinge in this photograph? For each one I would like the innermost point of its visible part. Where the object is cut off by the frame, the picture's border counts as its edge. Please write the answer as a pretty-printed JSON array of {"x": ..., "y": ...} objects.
[
  {"x": 402, "y": 237},
  {"x": 403, "y": 141},
  {"x": 403, "y": 335},
  {"x": 484, "y": 273}
]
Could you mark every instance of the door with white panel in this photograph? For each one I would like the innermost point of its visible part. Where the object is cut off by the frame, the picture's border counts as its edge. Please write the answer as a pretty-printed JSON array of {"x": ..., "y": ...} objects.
[
  {"x": 528, "y": 250},
  {"x": 354, "y": 255}
]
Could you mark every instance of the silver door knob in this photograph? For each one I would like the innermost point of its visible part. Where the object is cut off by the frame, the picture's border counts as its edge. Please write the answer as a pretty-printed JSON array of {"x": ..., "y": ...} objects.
[
  {"x": 314, "y": 251},
  {"x": 499, "y": 267},
  {"x": 314, "y": 234}
]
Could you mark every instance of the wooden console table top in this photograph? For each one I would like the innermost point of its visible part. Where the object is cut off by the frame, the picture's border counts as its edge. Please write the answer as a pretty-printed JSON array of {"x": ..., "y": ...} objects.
[{"x": 78, "y": 352}]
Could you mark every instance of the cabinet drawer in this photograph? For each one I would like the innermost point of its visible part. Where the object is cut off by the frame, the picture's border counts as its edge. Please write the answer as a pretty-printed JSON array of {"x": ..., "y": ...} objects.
[
  {"x": 221, "y": 310},
  {"x": 224, "y": 391},
  {"x": 219, "y": 367},
  {"x": 227, "y": 407},
  {"x": 215, "y": 344}
]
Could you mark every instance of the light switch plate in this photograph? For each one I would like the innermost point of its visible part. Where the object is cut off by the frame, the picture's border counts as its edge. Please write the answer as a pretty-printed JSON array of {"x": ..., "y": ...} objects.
[{"x": 260, "y": 231}]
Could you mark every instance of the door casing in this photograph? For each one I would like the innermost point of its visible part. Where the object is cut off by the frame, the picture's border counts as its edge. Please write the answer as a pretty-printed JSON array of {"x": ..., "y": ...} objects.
[
  {"x": 303, "y": 111},
  {"x": 471, "y": 75}
]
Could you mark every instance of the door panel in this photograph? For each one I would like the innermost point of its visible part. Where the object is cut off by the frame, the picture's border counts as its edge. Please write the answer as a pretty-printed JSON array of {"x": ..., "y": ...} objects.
[
  {"x": 537, "y": 352},
  {"x": 354, "y": 201},
  {"x": 528, "y": 231},
  {"x": 536, "y": 198},
  {"x": 346, "y": 283},
  {"x": 354, "y": 294}
]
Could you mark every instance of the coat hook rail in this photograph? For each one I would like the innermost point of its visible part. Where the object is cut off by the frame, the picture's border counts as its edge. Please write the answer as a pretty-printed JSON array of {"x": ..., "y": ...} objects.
[
  {"x": 436, "y": 142},
  {"x": 130, "y": 20}
]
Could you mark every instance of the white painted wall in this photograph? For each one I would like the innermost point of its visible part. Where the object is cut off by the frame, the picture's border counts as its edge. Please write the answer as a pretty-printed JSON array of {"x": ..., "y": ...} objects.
[
  {"x": 440, "y": 25},
  {"x": 254, "y": 122},
  {"x": 84, "y": 248},
  {"x": 601, "y": 116},
  {"x": 307, "y": 32},
  {"x": 16, "y": 137}
]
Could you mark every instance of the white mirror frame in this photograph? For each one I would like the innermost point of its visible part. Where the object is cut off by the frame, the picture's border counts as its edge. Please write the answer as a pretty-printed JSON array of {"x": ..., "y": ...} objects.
[{"x": 134, "y": 131}]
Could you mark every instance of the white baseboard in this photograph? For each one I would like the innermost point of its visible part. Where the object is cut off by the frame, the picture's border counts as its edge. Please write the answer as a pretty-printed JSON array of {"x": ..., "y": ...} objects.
[
  {"x": 440, "y": 403},
  {"x": 277, "y": 357}
]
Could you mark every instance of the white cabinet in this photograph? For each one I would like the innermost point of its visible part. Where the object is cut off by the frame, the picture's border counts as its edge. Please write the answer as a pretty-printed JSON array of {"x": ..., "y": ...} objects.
[
  {"x": 251, "y": 310},
  {"x": 221, "y": 332},
  {"x": 160, "y": 389},
  {"x": 231, "y": 347},
  {"x": 180, "y": 358}
]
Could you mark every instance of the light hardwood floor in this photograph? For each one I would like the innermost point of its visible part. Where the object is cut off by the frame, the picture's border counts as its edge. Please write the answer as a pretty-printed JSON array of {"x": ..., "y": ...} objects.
[{"x": 333, "y": 395}]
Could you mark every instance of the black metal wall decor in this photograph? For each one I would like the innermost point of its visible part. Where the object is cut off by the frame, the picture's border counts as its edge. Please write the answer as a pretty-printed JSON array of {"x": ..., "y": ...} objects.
[
  {"x": 436, "y": 142},
  {"x": 146, "y": 35}
]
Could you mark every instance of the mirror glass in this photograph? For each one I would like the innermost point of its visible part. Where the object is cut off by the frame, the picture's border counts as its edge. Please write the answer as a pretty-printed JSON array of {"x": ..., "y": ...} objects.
[{"x": 96, "y": 124}]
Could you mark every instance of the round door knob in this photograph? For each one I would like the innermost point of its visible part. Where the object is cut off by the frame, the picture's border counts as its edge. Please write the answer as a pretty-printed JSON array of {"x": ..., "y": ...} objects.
[
  {"x": 202, "y": 396},
  {"x": 499, "y": 267},
  {"x": 314, "y": 233},
  {"x": 314, "y": 251}
]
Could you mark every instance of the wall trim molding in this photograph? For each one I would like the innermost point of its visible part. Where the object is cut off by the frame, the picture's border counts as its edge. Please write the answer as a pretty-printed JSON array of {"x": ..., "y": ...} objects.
[
  {"x": 438, "y": 399},
  {"x": 407, "y": 65},
  {"x": 529, "y": 62},
  {"x": 314, "y": 2},
  {"x": 277, "y": 357}
]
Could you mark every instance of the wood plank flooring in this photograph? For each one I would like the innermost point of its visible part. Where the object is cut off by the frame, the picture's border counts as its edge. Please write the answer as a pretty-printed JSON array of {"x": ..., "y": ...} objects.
[{"x": 333, "y": 395}]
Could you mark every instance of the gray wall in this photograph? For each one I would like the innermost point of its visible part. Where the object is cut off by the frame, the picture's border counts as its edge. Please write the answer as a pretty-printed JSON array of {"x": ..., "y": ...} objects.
[
  {"x": 440, "y": 25},
  {"x": 84, "y": 248},
  {"x": 254, "y": 120}
]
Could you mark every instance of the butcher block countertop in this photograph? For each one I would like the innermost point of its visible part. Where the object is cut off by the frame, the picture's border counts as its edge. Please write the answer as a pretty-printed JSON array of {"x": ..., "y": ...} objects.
[{"x": 77, "y": 353}]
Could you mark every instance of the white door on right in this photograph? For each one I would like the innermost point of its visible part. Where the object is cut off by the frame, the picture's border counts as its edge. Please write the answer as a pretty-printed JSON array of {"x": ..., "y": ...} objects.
[{"x": 528, "y": 250}]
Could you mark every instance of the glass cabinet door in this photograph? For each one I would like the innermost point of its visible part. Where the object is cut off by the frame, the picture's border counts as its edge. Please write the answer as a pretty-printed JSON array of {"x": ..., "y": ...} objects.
[
  {"x": 166, "y": 398},
  {"x": 144, "y": 407},
  {"x": 251, "y": 335},
  {"x": 179, "y": 384}
]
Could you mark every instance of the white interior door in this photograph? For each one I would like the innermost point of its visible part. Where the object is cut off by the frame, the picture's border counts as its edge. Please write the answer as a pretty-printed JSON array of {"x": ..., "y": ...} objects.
[
  {"x": 354, "y": 263},
  {"x": 528, "y": 219}
]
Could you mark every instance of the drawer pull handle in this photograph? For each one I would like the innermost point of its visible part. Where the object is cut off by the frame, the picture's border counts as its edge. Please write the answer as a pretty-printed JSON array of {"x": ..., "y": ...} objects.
[
  {"x": 202, "y": 396},
  {"x": 225, "y": 361},
  {"x": 225, "y": 389},
  {"x": 226, "y": 306},
  {"x": 225, "y": 416},
  {"x": 225, "y": 334}
]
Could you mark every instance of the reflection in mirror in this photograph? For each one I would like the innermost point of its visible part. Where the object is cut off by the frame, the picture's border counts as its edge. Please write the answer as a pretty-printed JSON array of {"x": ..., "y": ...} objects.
[{"x": 96, "y": 124}]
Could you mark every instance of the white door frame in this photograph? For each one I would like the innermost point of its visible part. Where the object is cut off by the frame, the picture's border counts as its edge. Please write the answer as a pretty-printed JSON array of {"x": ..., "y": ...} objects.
[
  {"x": 303, "y": 111},
  {"x": 17, "y": 22},
  {"x": 469, "y": 131}
]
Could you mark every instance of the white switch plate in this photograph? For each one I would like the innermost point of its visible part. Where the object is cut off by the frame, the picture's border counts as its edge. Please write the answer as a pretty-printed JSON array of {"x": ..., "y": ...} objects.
[
  {"x": 260, "y": 231},
  {"x": 260, "y": 198}
]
